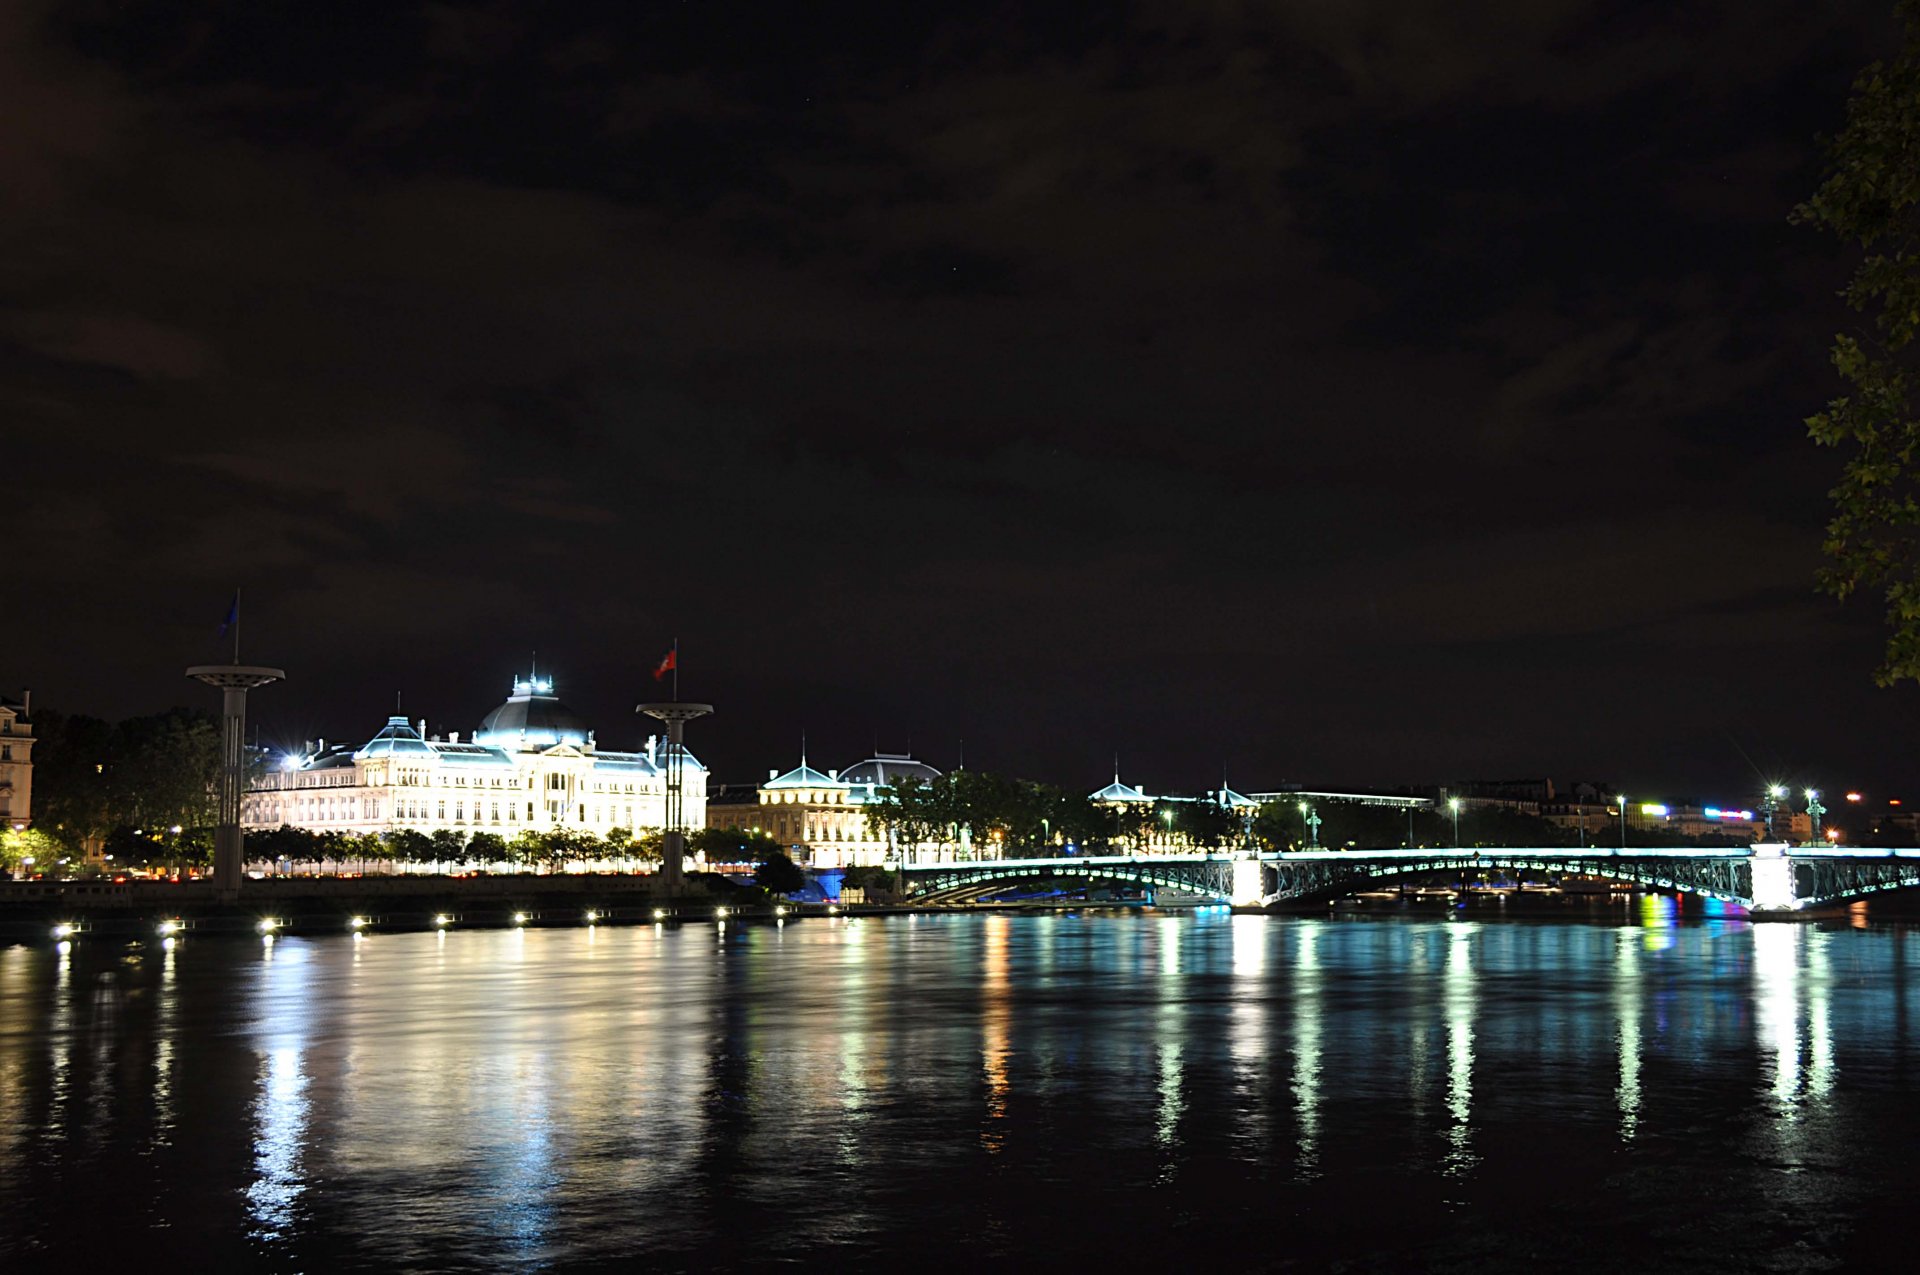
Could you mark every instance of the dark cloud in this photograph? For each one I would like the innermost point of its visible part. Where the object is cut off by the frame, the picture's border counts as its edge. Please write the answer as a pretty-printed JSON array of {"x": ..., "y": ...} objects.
[{"x": 1338, "y": 391}]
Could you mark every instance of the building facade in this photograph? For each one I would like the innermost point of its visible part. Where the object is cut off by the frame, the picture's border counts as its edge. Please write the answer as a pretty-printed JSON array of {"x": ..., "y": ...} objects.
[
  {"x": 16, "y": 762},
  {"x": 533, "y": 766},
  {"x": 820, "y": 817}
]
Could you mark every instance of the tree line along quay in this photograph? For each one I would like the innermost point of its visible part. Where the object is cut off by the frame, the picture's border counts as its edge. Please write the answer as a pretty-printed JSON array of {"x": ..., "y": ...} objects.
[{"x": 137, "y": 796}]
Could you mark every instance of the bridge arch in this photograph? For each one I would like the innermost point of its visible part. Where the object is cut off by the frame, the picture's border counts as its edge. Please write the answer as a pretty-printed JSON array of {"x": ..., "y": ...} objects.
[
  {"x": 1724, "y": 879},
  {"x": 1208, "y": 877}
]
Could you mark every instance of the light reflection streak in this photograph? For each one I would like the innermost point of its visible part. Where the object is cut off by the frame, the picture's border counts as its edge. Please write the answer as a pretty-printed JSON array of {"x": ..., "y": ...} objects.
[
  {"x": 1458, "y": 995},
  {"x": 995, "y": 1028},
  {"x": 280, "y": 1107},
  {"x": 1776, "y": 952},
  {"x": 60, "y": 1043},
  {"x": 1247, "y": 1034},
  {"x": 166, "y": 1026},
  {"x": 1170, "y": 1101},
  {"x": 1307, "y": 1049},
  {"x": 280, "y": 1117},
  {"x": 1626, "y": 1001}
]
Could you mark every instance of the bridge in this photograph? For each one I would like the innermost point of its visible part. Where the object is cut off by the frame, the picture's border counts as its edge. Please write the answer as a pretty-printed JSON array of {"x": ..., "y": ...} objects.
[{"x": 1760, "y": 878}]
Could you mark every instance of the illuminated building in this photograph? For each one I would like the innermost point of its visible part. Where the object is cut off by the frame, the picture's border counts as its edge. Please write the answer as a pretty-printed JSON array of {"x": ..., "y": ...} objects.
[
  {"x": 820, "y": 818},
  {"x": 533, "y": 766},
  {"x": 16, "y": 762}
]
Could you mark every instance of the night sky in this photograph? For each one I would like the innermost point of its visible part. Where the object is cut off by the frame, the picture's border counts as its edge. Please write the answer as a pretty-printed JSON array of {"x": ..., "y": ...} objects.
[{"x": 1347, "y": 394}]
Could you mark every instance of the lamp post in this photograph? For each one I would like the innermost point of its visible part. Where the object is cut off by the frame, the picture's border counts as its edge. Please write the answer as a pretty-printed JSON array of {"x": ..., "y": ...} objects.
[
  {"x": 1453, "y": 804},
  {"x": 1815, "y": 809},
  {"x": 1166, "y": 817},
  {"x": 1774, "y": 794},
  {"x": 1623, "y": 821},
  {"x": 1312, "y": 822}
]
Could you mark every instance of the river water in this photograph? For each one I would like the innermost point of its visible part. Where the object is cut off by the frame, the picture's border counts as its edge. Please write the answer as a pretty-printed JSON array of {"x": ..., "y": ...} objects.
[{"x": 1134, "y": 1089}]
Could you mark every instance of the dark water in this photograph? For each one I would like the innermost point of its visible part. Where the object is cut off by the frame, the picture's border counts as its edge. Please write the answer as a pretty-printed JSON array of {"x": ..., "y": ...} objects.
[{"x": 1128, "y": 1089}]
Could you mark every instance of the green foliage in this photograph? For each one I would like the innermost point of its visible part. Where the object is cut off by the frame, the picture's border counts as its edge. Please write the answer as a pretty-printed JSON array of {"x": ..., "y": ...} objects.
[
  {"x": 1871, "y": 197},
  {"x": 1011, "y": 816},
  {"x": 16, "y": 848},
  {"x": 778, "y": 874},
  {"x": 153, "y": 773},
  {"x": 733, "y": 845}
]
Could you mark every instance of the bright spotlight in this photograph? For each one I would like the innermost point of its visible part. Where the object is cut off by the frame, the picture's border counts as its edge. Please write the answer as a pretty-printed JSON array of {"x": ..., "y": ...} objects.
[
  {"x": 519, "y": 918},
  {"x": 442, "y": 919},
  {"x": 269, "y": 924},
  {"x": 63, "y": 930}
]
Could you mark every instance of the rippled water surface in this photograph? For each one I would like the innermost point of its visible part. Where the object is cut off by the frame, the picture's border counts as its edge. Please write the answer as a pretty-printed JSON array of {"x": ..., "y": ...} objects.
[{"x": 1133, "y": 1089}]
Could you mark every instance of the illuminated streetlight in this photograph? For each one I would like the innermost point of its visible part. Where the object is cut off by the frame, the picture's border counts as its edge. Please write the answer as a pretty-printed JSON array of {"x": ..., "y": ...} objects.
[
  {"x": 1775, "y": 794},
  {"x": 1453, "y": 804},
  {"x": 1623, "y": 821}
]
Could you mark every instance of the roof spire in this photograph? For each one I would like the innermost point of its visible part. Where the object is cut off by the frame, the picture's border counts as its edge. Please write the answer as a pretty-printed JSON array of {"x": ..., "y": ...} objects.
[
  {"x": 803, "y": 748},
  {"x": 1116, "y": 768}
]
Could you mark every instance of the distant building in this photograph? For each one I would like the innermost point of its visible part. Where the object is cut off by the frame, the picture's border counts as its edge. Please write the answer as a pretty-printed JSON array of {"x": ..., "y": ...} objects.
[
  {"x": 16, "y": 762},
  {"x": 820, "y": 817},
  {"x": 533, "y": 766}
]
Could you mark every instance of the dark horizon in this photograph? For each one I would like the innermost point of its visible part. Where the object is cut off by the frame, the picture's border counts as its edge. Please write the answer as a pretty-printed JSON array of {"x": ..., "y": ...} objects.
[{"x": 1361, "y": 397}]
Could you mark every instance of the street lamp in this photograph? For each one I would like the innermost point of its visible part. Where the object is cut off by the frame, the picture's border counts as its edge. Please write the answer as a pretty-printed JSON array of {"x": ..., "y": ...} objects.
[
  {"x": 1775, "y": 792},
  {"x": 1312, "y": 822},
  {"x": 1166, "y": 817},
  {"x": 1815, "y": 809},
  {"x": 1623, "y": 821},
  {"x": 1453, "y": 804}
]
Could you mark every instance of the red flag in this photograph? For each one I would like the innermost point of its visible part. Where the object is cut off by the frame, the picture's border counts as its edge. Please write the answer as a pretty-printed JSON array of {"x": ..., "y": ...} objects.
[{"x": 667, "y": 663}]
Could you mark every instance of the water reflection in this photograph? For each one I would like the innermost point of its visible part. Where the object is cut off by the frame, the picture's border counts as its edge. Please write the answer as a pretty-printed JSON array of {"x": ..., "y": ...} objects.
[
  {"x": 1307, "y": 1048},
  {"x": 956, "y": 1088},
  {"x": 1458, "y": 997},
  {"x": 1626, "y": 1006}
]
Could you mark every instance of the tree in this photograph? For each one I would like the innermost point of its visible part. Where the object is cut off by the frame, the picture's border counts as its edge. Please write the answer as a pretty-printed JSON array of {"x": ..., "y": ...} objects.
[
  {"x": 1871, "y": 197},
  {"x": 777, "y": 874}
]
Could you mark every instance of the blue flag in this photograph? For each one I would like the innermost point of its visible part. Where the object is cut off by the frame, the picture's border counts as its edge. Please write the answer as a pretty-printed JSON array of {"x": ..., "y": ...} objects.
[{"x": 233, "y": 614}]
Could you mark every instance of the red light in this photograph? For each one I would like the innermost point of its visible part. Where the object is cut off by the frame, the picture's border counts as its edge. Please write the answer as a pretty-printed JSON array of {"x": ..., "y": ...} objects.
[
  {"x": 1853, "y": 796},
  {"x": 1894, "y": 801}
]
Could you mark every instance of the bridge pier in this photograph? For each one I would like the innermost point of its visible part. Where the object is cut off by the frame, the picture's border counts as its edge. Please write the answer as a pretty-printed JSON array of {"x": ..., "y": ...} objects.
[
  {"x": 1773, "y": 887},
  {"x": 1248, "y": 888}
]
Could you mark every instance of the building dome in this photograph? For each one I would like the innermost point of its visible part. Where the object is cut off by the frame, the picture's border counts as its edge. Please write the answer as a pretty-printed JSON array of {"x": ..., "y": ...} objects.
[
  {"x": 532, "y": 718},
  {"x": 882, "y": 769},
  {"x": 396, "y": 738}
]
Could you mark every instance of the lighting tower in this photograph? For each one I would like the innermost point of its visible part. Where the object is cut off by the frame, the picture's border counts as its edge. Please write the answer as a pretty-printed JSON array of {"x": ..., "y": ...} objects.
[
  {"x": 676, "y": 715},
  {"x": 234, "y": 681}
]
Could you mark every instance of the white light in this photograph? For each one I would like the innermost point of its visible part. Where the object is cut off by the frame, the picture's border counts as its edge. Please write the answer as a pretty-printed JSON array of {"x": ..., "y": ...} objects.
[
  {"x": 779, "y": 911},
  {"x": 592, "y": 916},
  {"x": 269, "y": 924},
  {"x": 519, "y": 918},
  {"x": 169, "y": 927},
  {"x": 720, "y": 913},
  {"x": 442, "y": 919},
  {"x": 62, "y": 930},
  {"x": 833, "y": 909},
  {"x": 659, "y": 914},
  {"x": 357, "y": 922}
]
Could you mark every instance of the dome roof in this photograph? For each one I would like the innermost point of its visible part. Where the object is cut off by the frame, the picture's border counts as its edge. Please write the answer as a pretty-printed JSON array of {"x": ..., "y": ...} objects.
[
  {"x": 882, "y": 769},
  {"x": 397, "y": 736},
  {"x": 532, "y": 718}
]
